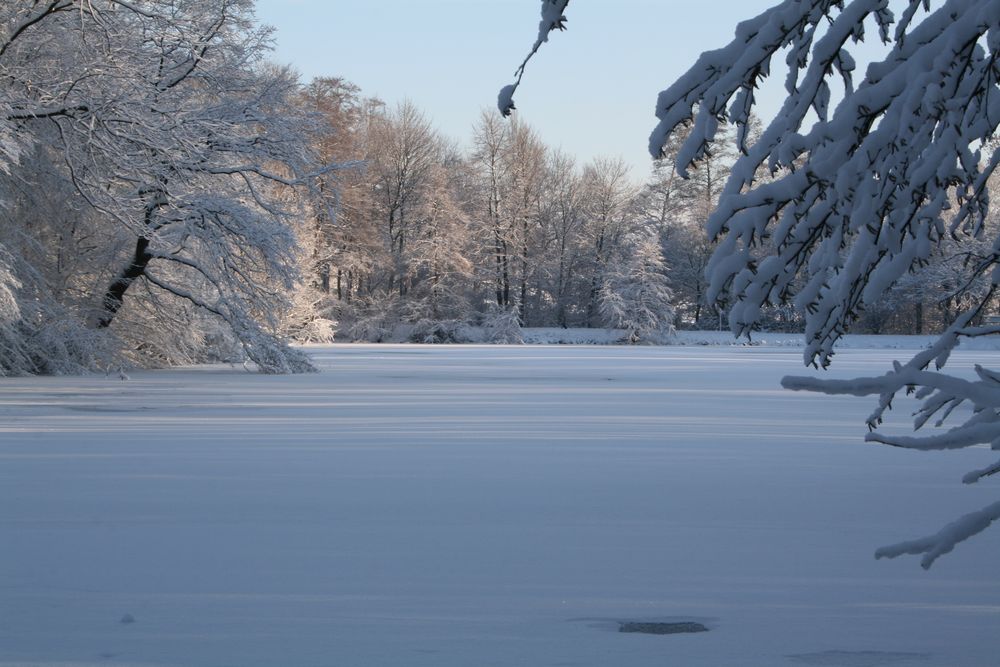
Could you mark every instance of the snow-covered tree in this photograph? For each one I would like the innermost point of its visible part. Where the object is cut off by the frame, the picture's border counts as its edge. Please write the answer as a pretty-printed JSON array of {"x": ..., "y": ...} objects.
[
  {"x": 329, "y": 232},
  {"x": 680, "y": 207},
  {"x": 608, "y": 196},
  {"x": 509, "y": 162},
  {"x": 637, "y": 297},
  {"x": 503, "y": 325},
  {"x": 870, "y": 174},
  {"x": 564, "y": 219},
  {"x": 441, "y": 271},
  {"x": 10, "y": 315},
  {"x": 56, "y": 259},
  {"x": 403, "y": 148},
  {"x": 30, "y": 319},
  {"x": 177, "y": 140}
]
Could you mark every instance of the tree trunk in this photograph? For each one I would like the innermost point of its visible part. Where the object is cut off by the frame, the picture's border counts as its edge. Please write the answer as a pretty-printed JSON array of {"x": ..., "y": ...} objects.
[
  {"x": 115, "y": 294},
  {"x": 595, "y": 280},
  {"x": 523, "y": 305},
  {"x": 324, "y": 278}
]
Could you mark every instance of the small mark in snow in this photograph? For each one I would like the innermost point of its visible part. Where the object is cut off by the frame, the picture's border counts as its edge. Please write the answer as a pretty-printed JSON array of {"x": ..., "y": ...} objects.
[{"x": 858, "y": 658}]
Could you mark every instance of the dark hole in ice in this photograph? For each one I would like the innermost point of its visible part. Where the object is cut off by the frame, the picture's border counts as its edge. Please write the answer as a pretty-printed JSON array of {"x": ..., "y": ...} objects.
[{"x": 661, "y": 628}]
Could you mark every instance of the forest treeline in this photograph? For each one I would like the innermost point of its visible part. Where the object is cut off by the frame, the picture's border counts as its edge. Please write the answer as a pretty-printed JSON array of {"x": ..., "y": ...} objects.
[
  {"x": 168, "y": 195},
  {"x": 424, "y": 232}
]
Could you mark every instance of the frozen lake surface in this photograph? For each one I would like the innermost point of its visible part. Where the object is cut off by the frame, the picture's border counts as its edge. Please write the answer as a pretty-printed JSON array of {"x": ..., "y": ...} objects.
[{"x": 439, "y": 506}]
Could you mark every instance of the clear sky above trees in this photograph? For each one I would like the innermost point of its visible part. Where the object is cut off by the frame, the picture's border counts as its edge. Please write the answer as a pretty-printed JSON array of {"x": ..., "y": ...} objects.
[{"x": 594, "y": 95}]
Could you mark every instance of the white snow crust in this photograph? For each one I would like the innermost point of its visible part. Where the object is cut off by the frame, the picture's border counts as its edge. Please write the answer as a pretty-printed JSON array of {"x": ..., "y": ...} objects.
[{"x": 482, "y": 505}]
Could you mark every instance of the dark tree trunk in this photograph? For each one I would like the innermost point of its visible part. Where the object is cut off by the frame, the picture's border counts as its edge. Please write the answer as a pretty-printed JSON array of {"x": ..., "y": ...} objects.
[
  {"x": 500, "y": 253},
  {"x": 523, "y": 304},
  {"x": 115, "y": 294},
  {"x": 324, "y": 278}
]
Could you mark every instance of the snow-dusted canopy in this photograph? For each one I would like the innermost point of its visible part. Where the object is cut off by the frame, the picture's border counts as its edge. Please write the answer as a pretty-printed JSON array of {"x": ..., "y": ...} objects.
[{"x": 172, "y": 129}]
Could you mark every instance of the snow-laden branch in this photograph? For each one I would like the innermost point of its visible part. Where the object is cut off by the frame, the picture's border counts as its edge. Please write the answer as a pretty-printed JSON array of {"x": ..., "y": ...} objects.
[
  {"x": 944, "y": 541},
  {"x": 941, "y": 394},
  {"x": 553, "y": 18},
  {"x": 859, "y": 198},
  {"x": 867, "y": 177}
]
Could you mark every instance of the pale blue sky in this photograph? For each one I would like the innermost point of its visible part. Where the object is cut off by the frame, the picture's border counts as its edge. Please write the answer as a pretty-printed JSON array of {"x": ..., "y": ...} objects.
[{"x": 591, "y": 90}]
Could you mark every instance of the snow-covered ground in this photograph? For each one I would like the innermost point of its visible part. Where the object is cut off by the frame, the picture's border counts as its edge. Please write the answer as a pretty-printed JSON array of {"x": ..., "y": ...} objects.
[{"x": 475, "y": 505}]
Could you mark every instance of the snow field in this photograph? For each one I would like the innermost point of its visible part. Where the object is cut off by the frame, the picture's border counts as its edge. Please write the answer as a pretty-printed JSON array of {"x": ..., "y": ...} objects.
[{"x": 480, "y": 505}]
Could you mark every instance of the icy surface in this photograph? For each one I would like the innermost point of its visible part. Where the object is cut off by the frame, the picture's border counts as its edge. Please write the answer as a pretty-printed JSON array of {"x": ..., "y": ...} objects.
[{"x": 476, "y": 505}]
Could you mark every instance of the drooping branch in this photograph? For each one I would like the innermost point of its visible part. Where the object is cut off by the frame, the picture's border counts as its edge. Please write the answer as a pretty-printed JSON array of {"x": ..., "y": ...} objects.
[
  {"x": 33, "y": 18},
  {"x": 944, "y": 541},
  {"x": 862, "y": 197},
  {"x": 553, "y": 18}
]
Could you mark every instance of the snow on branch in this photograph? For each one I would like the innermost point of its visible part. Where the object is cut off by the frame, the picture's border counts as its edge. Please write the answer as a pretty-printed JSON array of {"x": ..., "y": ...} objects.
[
  {"x": 945, "y": 540},
  {"x": 553, "y": 18},
  {"x": 867, "y": 177},
  {"x": 861, "y": 196},
  {"x": 941, "y": 394}
]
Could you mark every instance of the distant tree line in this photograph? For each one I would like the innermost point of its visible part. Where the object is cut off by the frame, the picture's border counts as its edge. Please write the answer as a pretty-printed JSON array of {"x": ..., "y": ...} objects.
[{"x": 423, "y": 233}]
